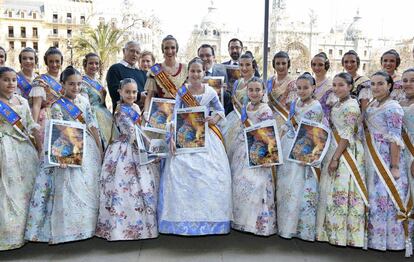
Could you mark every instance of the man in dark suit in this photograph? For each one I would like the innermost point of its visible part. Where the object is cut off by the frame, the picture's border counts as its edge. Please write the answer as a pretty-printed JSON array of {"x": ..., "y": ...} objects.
[
  {"x": 206, "y": 53},
  {"x": 235, "y": 48}
]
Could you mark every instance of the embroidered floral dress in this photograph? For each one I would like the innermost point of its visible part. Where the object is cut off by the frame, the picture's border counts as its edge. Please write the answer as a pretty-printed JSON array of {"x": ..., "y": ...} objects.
[
  {"x": 230, "y": 130},
  {"x": 341, "y": 210},
  {"x": 102, "y": 114},
  {"x": 362, "y": 88},
  {"x": 297, "y": 189},
  {"x": 195, "y": 188},
  {"x": 64, "y": 204},
  {"x": 40, "y": 89},
  {"x": 384, "y": 230},
  {"x": 254, "y": 206},
  {"x": 408, "y": 122},
  {"x": 18, "y": 169},
  {"x": 19, "y": 89},
  {"x": 284, "y": 92},
  {"x": 324, "y": 94},
  {"x": 128, "y": 190},
  {"x": 397, "y": 91}
]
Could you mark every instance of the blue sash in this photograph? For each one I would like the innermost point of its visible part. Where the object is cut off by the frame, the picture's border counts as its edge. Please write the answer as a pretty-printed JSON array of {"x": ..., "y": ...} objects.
[
  {"x": 9, "y": 114},
  {"x": 243, "y": 113},
  {"x": 292, "y": 109},
  {"x": 93, "y": 83},
  {"x": 24, "y": 85},
  {"x": 13, "y": 119},
  {"x": 269, "y": 85},
  {"x": 71, "y": 108},
  {"x": 134, "y": 115},
  {"x": 236, "y": 83},
  {"x": 55, "y": 86}
]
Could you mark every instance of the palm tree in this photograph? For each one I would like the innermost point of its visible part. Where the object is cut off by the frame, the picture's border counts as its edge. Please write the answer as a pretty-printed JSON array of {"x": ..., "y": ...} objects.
[{"x": 105, "y": 40}]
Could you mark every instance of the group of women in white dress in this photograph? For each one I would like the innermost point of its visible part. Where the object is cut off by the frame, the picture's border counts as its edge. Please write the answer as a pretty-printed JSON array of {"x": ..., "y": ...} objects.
[{"x": 359, "y": 195}]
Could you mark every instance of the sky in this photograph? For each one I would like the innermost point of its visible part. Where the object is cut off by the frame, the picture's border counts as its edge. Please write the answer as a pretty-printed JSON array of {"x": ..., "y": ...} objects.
[{"x": 381, "y": 18}]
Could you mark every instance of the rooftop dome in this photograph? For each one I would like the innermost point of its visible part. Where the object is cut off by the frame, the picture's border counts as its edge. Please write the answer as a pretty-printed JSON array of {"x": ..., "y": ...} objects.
[{"x": 354, "y": 30}]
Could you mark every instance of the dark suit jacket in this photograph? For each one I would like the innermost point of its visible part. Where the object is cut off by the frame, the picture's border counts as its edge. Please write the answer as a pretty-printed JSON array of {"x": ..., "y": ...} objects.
[{"x": 220, "y": 70}]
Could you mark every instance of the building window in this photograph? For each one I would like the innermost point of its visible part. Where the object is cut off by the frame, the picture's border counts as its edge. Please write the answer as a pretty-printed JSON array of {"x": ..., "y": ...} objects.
[
  {"x": 69, "y": 32},
  {"x": 56, "y": 44},
  {"x": 23, "y": 44},
  {"x": 340, "y": 52},
  {"x": 36, "y": 46},
  {"x": 10, "y": 14},
  {"x": 364, "y": 66},
  {"x": 365, "y": 53},
  {"x": 23, "y": 32},
  {"x": 55, "y": 31},
  {"x": 11, "y": 44},
  {"x": 11, "y": 31},
  {"x": 35, "y": 32},
  {"x": 21, "y": 14},
  {"x": 330, "y": 51},
  {"x": 82, "y": 19},
  {"x": 55, "y": 18},
  {"x": 34, "y": 16},
  {"x": 69, "y": 17}
]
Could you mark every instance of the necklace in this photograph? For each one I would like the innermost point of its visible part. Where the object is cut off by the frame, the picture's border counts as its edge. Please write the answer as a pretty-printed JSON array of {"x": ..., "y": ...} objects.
[
  {"x": 342, "y": 101},
  {"x": 382, "y": 101},
  {"x": 7, "y": 98},
  {"x": 282, "y": 81}
]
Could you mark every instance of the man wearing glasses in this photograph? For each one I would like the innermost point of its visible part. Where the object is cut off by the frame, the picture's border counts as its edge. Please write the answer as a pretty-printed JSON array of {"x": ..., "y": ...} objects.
[{"x": 211, "y": 68}]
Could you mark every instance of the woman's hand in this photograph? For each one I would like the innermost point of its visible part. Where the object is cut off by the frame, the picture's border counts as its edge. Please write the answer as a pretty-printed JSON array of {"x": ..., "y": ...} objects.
[
  {"x": 333, "y": 166},
  {"x": 412, "y": 169},
  {"x": 395, "y": 171},
  {"x": 211, "y": 120},
  {"x": 172, "y": 146}
]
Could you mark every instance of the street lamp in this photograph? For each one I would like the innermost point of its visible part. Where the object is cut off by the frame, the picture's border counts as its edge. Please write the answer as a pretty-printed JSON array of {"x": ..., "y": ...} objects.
[{"x": 70, "y": 47}]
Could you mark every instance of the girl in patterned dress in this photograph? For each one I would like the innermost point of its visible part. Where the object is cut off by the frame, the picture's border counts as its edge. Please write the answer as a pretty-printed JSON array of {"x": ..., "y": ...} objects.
[
  {"x": 19, "y": 161},
  {"x": 341, "y": 210},
  {"x": 384, "y": 119},
  {"x": 390, "y": 61},
  {"x": 253, "y": 188},
  {"x": 128, "y": 188},
  {"x": 297, "y": 187},
  {"x": 70, "y": 210},
  {"x": 96, "y": 94}
]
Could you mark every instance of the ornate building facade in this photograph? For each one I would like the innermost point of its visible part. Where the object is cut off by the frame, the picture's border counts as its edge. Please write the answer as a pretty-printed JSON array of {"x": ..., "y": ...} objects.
[
  {"x": 301, "y": 39},
  {"x": 40, "y": 24}
]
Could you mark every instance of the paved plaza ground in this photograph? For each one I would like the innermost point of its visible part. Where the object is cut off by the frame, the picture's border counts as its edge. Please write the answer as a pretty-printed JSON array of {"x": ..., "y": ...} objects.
[{"x": 234, "y": 247}]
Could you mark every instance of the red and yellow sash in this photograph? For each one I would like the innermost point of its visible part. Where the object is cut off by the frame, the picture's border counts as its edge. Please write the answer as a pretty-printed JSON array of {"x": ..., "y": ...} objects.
[
  {"x": 276, "y": 106},
  {"x": 404, "y": 207},
  {"x": 163, "y": 78},
  {"x": 190, "y": 101}
]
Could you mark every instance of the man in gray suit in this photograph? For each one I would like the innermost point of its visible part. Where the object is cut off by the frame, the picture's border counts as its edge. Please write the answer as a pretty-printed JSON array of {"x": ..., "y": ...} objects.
[{"x": 211, "y": 68}]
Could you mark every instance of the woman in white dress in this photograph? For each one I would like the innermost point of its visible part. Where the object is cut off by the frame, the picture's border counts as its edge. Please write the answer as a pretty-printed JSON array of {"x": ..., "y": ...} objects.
[{"x": 195, "y": 188}]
